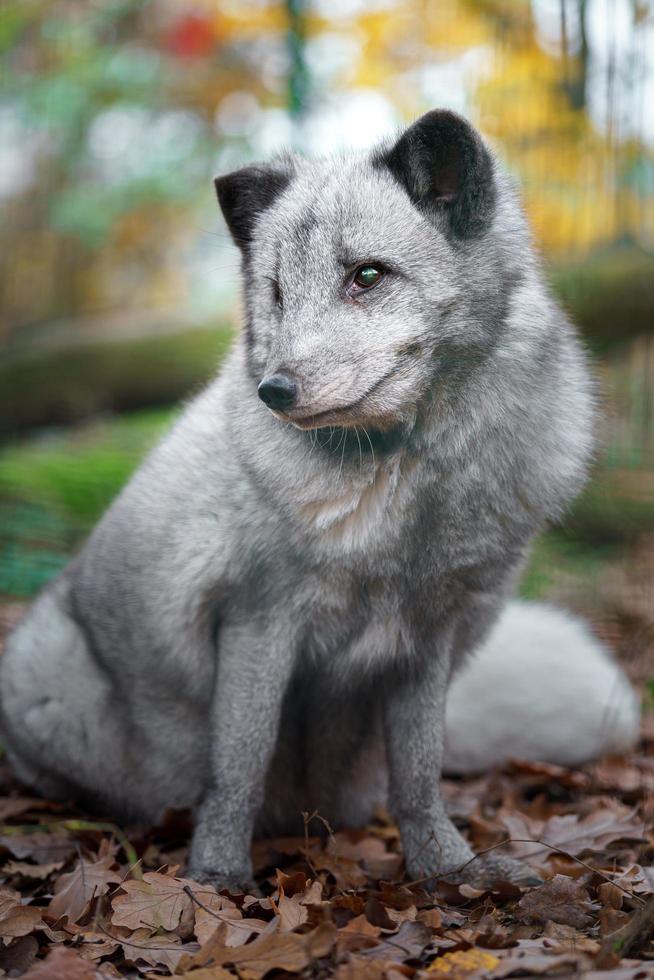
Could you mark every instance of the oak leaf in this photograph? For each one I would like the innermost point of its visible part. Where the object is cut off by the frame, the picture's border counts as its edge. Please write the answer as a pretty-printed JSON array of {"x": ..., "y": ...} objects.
[
  {"x": 17, "y": 919},
  {"x": 26, "y": 870},
  {"x": 293, "y": 909},
  {"x": 16, "y": 959},
  {"x": 571, "y": 834},
  {"x": 360, "y": 967},
  {"x": 15, "y": 806},
  {"x": 560, "y": 899},
  {"x": 61, "y": 963},
  {"x": 158, "y": 901},
  {"x": 406, "y": 944},
  {"x": 41, "y": 846},
  {"x": 218, "y": 910},
  {"x": 74, "y": 891},
  {"x": 358, "y": 934},
  {"x": 272, "y": 950},
  {"x": 369, "y": 851},
  {"x": 166, "y": 951}
]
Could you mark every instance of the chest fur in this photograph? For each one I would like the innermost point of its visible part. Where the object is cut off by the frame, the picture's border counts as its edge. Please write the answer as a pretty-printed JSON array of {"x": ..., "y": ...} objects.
[{"x": 363, "y": 514}]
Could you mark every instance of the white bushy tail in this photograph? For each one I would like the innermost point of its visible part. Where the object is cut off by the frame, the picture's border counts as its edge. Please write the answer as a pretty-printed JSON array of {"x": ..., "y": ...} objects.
[{"x": 542, "y": 688}]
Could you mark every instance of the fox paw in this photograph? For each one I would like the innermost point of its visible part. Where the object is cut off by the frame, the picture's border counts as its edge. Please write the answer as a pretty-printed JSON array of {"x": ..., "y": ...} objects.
[
  {"x": 487, "y": 872},
  {"x": 501, "y": 867}
]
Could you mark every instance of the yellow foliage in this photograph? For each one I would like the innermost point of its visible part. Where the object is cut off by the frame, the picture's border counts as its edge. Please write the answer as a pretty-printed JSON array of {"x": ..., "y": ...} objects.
[
  {"x": 446, "y": 26},
  {"x": 461, "y": 963},
  {"x": 571, "y": 172}
]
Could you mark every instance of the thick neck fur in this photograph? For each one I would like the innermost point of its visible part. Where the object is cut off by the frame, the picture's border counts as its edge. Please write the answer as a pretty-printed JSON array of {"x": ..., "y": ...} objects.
[{"x": 514, "y": 422}]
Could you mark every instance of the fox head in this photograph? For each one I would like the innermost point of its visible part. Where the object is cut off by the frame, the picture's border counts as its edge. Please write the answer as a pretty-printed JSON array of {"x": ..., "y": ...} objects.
[{"x": 368, "y": 280}]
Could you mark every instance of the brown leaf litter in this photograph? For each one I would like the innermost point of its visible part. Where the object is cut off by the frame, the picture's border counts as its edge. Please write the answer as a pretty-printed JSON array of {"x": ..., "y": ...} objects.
[{"x": 80, "y": 904}]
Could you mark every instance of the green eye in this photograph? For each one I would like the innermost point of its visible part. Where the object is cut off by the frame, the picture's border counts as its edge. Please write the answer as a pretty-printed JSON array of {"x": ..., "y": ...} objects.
[{"x": 367, "y": 276}]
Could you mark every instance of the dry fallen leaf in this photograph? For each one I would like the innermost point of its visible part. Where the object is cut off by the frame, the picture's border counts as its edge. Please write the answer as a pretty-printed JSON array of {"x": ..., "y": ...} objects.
[
  {"x": 157, "y": 902},
  {"x": 570, "y": 833},
  {"x": 88, "y": 880},
  {"x": 166, "y": 951},
  {"x": 16, "y": 919},
  {"x": 15, "y": 806},
  {"x": 218, "y": 910},
  {"x": 558, "y": 900},
  {"x": 360, "y": 968},
  {"x": 41, "y": 846},
  {"x": 359, "y": 927},
  {"x": 61, "y": 963},
  {"x": 93, "y": 946},
  {"x": 293, "y": 909},
  {"x": 26, "y": 870},
  {"x": 272, "y": 950},
  {"x": 17, "y": 958},
  {"x": 210, "y": 973},
  {"x": 408, "y": 943},
  {"x": 369, "y": 851}
]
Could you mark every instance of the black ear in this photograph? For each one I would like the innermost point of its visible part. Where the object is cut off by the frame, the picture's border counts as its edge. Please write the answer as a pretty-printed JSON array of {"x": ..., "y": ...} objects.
[
  {"x": 244, "y": 194},
  {"x": 444, "y": 166}
]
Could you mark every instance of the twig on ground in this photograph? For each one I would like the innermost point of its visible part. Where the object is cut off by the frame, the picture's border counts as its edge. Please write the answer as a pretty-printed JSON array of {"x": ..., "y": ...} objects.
[
  {"x": 128, "y": 942},
  {"x": 130, "y": 871},
  {"x": 191, "y": 894},
  {"x": 307, "y": 818}
]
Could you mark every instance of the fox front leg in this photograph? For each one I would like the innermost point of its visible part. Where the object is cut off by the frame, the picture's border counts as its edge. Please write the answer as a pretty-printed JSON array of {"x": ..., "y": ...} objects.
[
  {"x": 255, "y": 662},
  {"x": 414, "y": 721}
]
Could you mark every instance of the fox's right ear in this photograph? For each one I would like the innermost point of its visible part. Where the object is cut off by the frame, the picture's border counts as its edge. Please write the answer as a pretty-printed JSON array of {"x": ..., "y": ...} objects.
[
  {"x": 445, "y": 168},
  {"x": 244, "y": 194}
]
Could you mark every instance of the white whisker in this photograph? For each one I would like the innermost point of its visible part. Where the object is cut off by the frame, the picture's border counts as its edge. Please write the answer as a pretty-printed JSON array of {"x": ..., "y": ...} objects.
[
  {"x": 372, "y": 450},
  {"x": 340, "y": 469},
  {"x": 356, "y": 432}
]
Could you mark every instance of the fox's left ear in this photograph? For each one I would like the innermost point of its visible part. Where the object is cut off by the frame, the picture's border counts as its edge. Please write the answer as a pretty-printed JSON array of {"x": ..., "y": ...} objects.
[
  {"x": 444, "y": 166},
  {"x": 245, "y": 194}
]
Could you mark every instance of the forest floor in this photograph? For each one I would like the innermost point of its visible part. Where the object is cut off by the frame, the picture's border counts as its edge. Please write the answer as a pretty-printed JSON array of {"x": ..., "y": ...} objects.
[{"x": 82, "y": 898}]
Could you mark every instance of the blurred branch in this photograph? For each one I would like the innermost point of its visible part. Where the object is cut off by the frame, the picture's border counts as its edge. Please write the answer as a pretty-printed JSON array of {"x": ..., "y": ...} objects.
[{"x": 59, "y": 384}]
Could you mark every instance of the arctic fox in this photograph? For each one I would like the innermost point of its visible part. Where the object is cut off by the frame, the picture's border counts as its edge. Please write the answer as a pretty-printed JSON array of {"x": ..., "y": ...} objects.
[{"x": 267, "y": 619}]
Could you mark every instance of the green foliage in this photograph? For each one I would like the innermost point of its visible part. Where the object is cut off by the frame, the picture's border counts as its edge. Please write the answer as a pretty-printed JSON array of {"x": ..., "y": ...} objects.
[
  {"x": 78, "y": 473},
  {"x": 649, "y": 695},
  {"x": 560, "y": 556},
  {"x": 34, "y": 545},
  {"x": 53, "y": 489}
]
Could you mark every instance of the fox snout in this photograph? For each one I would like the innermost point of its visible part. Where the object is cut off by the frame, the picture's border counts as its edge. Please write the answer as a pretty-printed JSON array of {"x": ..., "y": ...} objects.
[
  {"x": 305, "y": 397},
  {"x": 278, "y": 391},
  {"x": 347, "y": 394}
]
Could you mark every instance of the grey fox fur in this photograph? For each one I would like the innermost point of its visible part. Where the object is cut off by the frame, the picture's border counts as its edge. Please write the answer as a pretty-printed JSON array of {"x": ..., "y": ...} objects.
[{"x": 267, "y": 619}]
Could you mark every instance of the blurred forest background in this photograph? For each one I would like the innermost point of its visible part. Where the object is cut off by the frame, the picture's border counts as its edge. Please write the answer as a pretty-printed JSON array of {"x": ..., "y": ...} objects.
[{"x": 118, "y": 283}]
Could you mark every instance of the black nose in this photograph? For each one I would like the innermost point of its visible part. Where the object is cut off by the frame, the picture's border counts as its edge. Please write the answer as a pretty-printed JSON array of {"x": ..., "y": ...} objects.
[{"x": 277, "y": 391}]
